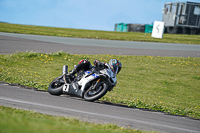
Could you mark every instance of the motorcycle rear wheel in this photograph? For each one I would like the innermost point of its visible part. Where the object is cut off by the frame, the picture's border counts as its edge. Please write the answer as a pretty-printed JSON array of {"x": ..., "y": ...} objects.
[
  {"x": 56, "y": 86},
  {"x": 96, "y": 93}
]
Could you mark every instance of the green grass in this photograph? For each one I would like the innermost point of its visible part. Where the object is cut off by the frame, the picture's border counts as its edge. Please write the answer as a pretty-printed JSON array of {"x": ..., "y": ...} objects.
[
  {"x": 168, "y": 84},
  {"x": 20, "y": 121},
  {"x": 78, "y": 33}
]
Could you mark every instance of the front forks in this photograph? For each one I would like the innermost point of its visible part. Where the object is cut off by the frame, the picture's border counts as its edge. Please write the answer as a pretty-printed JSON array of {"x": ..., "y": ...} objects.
[{"x": 97, "y": 83}]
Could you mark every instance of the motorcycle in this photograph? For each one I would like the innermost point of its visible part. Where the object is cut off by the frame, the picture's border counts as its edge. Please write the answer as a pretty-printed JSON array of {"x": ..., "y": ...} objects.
[{"x": 90, "y": 85}]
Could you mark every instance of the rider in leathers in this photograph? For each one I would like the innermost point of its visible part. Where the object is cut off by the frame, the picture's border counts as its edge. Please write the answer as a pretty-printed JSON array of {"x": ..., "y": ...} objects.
[{"x": 85, "y": 65}]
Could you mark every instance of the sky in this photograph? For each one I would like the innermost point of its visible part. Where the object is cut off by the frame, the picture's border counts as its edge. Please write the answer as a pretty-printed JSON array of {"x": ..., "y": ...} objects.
[{"x": 82, "y": 14}]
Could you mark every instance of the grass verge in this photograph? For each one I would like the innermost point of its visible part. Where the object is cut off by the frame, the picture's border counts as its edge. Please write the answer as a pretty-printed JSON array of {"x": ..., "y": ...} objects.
[
  {"x": 168, "y": 84},
  {"x": 108, "y": 35},
  {"x": 21, "y": 121}
]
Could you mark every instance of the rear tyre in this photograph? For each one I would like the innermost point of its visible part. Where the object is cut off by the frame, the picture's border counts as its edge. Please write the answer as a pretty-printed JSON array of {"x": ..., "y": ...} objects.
[
  {"x": 56, "y": 86},
  {"x": 96, "y": 93}
]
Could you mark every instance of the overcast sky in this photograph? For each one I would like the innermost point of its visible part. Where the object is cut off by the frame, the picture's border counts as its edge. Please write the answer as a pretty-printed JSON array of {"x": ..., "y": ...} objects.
[{"x": 82, "y": 14}]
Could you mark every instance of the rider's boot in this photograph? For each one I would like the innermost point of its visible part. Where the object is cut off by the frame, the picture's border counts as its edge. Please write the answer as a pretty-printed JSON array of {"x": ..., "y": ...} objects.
[{"x": 72, "y": 73}]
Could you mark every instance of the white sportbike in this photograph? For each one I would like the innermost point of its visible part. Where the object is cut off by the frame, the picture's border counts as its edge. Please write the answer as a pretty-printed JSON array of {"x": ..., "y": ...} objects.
[{"x": 90, "y": 85}]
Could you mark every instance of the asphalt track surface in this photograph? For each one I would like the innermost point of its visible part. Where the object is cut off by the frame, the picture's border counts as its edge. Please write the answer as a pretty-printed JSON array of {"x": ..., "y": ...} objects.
[
  {"x": 11, "y": 43},
  {"x": 98, "y": 112}
]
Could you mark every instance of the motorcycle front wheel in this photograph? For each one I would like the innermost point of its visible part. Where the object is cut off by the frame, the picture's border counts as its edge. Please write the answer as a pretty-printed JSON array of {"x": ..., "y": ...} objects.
[
  {"x": 96, "y": 93},
  {"x": 56, "y": 86}
]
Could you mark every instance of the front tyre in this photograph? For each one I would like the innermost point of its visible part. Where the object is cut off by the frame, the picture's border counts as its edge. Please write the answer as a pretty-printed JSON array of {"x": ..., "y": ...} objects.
[
  {"x": 56, "y": 86},
  {"x": 96, "y": 93}
]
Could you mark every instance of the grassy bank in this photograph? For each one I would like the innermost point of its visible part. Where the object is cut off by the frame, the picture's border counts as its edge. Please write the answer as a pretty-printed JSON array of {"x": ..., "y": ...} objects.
[
  {"x": 168, "y": 84},
  {"x": 20, "y": 121},
  {"x": 78, "y": 33}
]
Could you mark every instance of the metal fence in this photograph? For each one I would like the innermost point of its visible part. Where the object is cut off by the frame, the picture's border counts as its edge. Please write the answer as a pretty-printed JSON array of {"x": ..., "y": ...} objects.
[
  {"x": 189, "y": 14},
  {"x": 182, "y": 14}
]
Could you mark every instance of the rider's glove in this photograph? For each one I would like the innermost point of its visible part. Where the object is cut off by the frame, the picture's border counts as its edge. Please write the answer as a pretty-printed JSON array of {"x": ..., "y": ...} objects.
[{"x": 97, "y": 63}]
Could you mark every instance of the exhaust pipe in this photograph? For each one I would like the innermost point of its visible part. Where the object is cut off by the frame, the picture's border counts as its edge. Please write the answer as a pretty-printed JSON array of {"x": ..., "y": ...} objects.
[{"x": 65, "y": 70}]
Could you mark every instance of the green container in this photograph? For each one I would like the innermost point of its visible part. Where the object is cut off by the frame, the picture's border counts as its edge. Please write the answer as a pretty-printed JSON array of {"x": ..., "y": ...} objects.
[
  {"x": 122, "y": 27},
  {"x": 148, "y": 28}
]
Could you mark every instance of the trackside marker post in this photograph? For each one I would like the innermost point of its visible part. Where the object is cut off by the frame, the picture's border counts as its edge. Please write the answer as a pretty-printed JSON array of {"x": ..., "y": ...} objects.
[{"x": 158, "y": 29}]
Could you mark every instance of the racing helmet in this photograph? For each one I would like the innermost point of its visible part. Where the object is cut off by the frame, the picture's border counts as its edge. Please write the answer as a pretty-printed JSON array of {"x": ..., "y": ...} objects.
[{"x": 115, "y": 65}]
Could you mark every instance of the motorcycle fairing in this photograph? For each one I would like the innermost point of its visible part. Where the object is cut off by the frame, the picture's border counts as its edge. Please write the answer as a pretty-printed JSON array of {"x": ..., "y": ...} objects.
[{"x": 78, "y": 87}]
